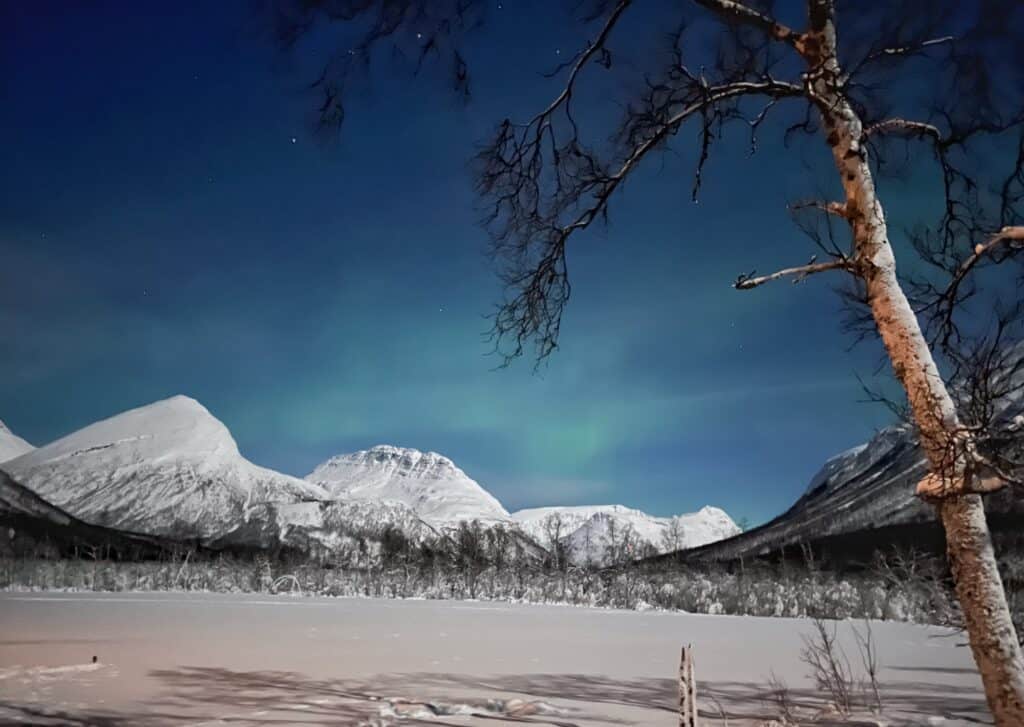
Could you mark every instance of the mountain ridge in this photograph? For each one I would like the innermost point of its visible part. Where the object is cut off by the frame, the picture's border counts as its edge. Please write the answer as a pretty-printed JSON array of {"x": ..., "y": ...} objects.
[
  {"x": 172, "y": 469},
  {"x": 11, "y": 445},
  {"x": 590, "y": 532}
]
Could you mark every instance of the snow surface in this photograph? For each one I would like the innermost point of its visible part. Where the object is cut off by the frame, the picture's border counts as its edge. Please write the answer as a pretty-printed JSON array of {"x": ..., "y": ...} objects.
[
  {"x": 169, "y": 468},
  {"x": 430, "y": 484},
  {"x": 174, "y": 659},
  {"x": 11, "y": 445},
  {"x": 588, "y": 529}
]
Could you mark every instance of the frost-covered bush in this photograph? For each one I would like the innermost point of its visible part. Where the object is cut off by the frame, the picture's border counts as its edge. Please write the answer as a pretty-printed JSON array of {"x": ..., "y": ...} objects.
[{"x": 900, "y": 588}]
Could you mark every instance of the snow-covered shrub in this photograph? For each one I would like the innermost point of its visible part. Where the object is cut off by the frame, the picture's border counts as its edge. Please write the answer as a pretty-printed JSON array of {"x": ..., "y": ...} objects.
[{"x": 902, "y": 587}]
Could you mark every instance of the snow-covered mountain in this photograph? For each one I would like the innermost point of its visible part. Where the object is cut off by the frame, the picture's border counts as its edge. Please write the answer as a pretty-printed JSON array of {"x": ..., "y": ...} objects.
[
  {"x": 331, "y": 528},
  {"x": 872, "y": 486},
  {"x": 869, "y": 486},
  {"x": 590, "y": 531},
  {"x": 431, "y": 485},
  {"x": 172, "y": 469},
  {"x": 11, "y": 445},
  {"x": 33, "y": 527},
  {"x": 169, "y": 468}
]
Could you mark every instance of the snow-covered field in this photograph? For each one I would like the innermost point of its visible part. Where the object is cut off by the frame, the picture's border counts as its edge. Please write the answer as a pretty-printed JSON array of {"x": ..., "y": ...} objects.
[{"x": 183, "y": 659}]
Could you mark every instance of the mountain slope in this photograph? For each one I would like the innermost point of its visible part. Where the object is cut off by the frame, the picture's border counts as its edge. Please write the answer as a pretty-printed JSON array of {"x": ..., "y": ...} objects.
[
  {"x": 169, "y": 468},
  {"x": 34, "y": 527},
  {"x": 11, "y": 445},
  {"x": 431, "y": 485},
  {"x": 589, "y": 530},
  {"x": 863, "y": 499},
  {"x": 868, "y": 487},
  {"x": 328, "y": 528}
]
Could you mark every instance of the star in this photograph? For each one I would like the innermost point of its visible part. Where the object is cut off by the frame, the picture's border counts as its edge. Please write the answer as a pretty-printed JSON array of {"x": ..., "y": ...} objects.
[{"x": 294, "y": 139}]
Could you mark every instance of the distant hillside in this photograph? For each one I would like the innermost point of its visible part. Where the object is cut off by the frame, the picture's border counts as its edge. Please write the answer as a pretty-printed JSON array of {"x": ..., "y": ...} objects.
[
  {"x": 31, "y": 526},
  {"x": 860, "y": 497},
  {"x": 588, "y": 530}
]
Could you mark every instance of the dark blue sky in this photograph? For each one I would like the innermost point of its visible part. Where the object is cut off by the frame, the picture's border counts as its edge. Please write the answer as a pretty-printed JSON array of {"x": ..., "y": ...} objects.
[{"x": 162, "y": 233}]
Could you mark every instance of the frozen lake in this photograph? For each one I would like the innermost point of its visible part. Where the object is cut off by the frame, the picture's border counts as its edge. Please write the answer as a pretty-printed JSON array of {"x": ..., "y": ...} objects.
[{"x": 198, "y": 659}]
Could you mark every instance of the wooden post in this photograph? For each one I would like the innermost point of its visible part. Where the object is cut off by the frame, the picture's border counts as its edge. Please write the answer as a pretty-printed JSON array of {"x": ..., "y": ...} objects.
[{"x": 687, "y": 689}]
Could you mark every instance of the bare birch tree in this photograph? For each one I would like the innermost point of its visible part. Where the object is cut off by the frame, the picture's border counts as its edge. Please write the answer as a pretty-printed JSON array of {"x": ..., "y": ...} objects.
[
  {"x": 673, "y": 537},
  {"x": 846, "y": 70},
  {"x": 556, "y": 533}
]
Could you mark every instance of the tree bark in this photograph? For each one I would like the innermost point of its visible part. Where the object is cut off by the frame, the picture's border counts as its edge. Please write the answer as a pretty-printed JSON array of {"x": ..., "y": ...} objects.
[
  {"x": 978, "y": 586},
  {"x": 687, "y": 689}
]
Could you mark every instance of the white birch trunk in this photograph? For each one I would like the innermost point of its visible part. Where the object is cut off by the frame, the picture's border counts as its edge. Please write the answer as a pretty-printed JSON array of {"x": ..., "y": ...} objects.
[
  {"x": 687, "y": 689},
  {"x": 969, "y": 546}
]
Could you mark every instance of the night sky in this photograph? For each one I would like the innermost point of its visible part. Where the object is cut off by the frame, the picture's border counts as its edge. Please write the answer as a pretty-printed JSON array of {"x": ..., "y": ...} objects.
[{"x": 169, "y": 224}]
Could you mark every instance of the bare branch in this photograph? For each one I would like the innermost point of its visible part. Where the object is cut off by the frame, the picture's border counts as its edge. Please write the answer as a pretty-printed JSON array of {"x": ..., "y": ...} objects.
[
  {"x": 735, "y": 11},
  {"x": 749, "y": 281},
  {"x": 831, "y": 208},
  {"x": 899, "y": 407},
  {"x": 905, "y": 127},
  {"x": 416, "y": 31},
  {"x": 1010, "y": 237},
  {"x": 942, "y": 303},
  {"x": 593, "y": 48},
  {"x": 969, "y": 213},
  {"x": 531, "y": 223},
  {"x": 908, "y": 49},
  {"x": 715, "y": 94}
]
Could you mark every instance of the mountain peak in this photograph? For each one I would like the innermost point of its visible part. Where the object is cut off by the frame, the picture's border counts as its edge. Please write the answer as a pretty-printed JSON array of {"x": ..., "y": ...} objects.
[
  {"x": 428, "y": 482},
  {"x": 385, "y": 452},
  {"x": 181, "y": 401},
  {"x": 11, "y": 445},
  {"x": 170, "y": 428},
  {"x": 166, "y": 468},
  {"x": 402, "y": 461}
]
